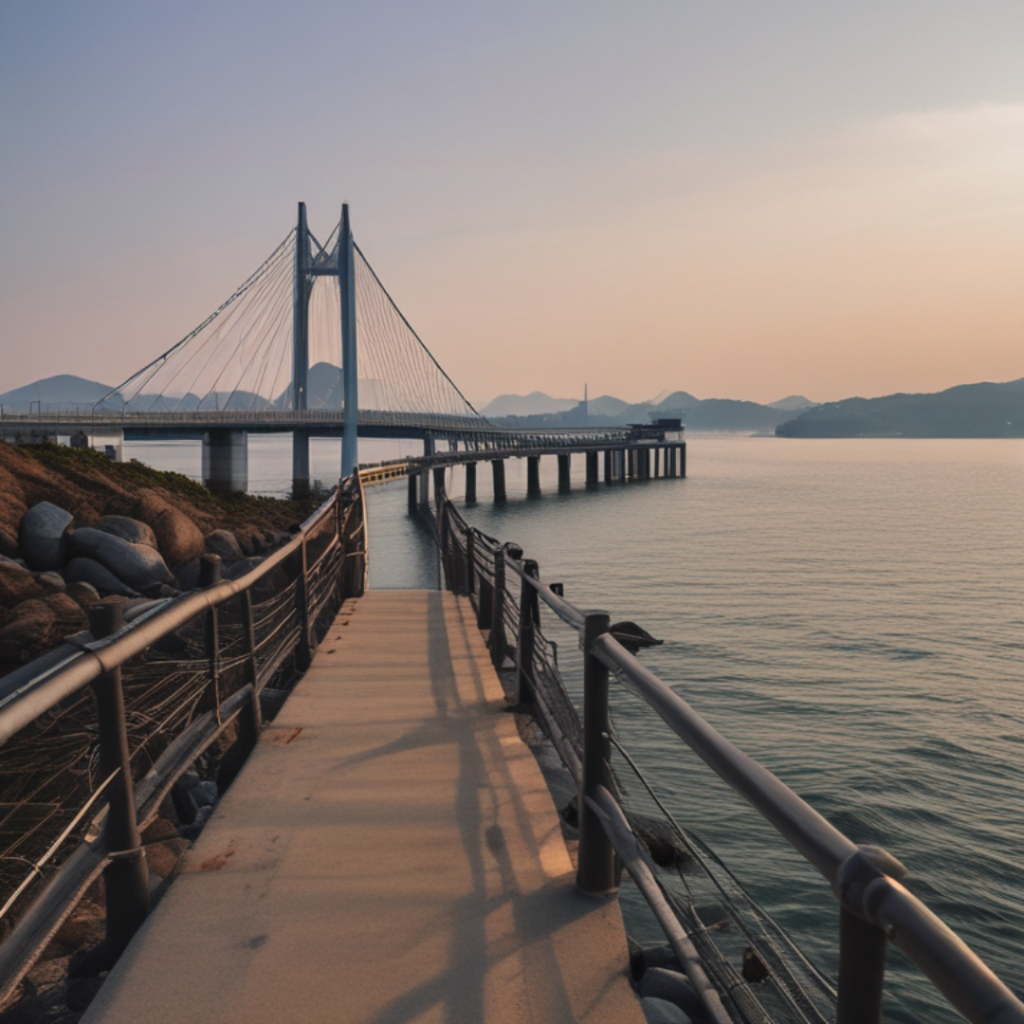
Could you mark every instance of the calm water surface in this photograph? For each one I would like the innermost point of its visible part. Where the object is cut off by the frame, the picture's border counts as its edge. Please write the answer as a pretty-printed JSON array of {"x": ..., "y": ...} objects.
[{"x": 850, "y": 613}]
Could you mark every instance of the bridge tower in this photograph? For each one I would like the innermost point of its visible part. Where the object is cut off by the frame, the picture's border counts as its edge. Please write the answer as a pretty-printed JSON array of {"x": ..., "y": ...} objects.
[{"x": 340, "y": 264}]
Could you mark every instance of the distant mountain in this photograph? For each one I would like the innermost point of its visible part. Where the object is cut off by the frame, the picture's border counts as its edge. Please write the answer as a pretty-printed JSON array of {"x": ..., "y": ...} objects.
[
  {"x": 534, "y": 404},
  {"x": 718, "y": 414},
  {"x": 969, "y": 410},
  {"x": 794, "y": 403},
  {"x": 65, "y": 392}
]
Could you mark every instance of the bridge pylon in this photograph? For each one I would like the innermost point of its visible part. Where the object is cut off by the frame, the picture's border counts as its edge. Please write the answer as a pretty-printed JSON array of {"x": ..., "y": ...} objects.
[{"x": 339, "y": 263}]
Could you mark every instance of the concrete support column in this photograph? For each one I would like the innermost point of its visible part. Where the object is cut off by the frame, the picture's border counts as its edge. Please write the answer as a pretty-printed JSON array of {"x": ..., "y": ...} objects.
[
  {"x": 424, "y": 486},
  {"x": 609, "y": 474},
  {"x": 470, "y": 483},
  {"x": 592, "y": 469},
  {"x": 498, "y": 474},
  {"x": 657, "y": 462},
  {"x": 630, "y": 463},
  {"x": 533, "y": 476},
  {"x": 428, "y": 445},
  {"x": 682, "y": 459},
  {"x": 300, "y": 461},
  {"x": 564, "y": 473},
  {"x": 412, "y": 494},
  {"x": 226, "y": 462}
]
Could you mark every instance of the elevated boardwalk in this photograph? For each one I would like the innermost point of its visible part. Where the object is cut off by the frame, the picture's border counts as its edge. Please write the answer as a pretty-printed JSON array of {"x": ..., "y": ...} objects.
[{"x": 389, "y": 854}]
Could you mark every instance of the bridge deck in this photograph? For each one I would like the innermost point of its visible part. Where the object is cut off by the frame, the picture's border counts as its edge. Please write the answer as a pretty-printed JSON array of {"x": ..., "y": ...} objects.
[{"x": 389, "y": 854}]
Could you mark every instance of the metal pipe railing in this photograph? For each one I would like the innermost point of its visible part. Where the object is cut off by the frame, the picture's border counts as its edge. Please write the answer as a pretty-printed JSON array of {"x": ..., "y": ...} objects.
[
  {"x": 96, "y": 660},
  {"x": 875, "y": 908}
]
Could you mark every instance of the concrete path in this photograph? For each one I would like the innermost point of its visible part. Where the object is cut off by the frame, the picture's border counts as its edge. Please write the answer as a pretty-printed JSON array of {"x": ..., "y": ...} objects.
[{"x": 389, "y": 854}]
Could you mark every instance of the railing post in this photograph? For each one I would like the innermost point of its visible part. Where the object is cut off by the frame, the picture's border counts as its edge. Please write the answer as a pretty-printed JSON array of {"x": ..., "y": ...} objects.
[
  {"x": 249, "y": 724},
  {"x": 304, "y": 652},
  {"x": 526, "y": 641},
  {"x": 596, "y": 868},
  {"x": 470, "y": 561},
  {"x": 498, "y": 610},
  {"x": 862, "y": 949},
  {"x": 126, "y": 877},
  {"x": 485, "y": 605},
  {"x": 209, "y": 576}
]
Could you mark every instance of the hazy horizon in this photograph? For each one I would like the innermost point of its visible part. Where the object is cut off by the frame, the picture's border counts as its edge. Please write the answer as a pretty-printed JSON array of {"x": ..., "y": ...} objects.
[{"x": 746, "y": 202}]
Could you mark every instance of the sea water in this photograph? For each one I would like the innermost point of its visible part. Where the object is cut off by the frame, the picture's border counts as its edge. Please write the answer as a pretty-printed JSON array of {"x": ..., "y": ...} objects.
[{"x": 848, "y": 612}]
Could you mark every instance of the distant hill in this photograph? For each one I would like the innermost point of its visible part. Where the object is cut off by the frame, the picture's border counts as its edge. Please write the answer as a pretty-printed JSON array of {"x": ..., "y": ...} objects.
[
  {"x": 65, "y": 392},
  {"x": 793, "y": 403},
  {"x": 534, "y": 404},
  {"x": 718, "y": 414},
  {"x": 969, "y": 410}
]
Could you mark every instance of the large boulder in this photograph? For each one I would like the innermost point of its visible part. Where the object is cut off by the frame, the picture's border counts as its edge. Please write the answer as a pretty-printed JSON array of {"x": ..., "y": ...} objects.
[
  {"x": 98, "y": 576},
  {"x": 137, "y": 565},
  {"x": 135, "y": 531},
  {"x": 17, "y": 585},
  {"x": 178, "y": 539},
  {"x": 37, "y": 625},
  {"x": 225, "y": 544},
  {"x": 44, "y": 536}
]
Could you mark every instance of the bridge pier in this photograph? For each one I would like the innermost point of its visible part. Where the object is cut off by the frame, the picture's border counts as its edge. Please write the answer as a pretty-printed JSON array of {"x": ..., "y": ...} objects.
[
  {"x": 226, "y": 461},
  {"x": 470, "y": 483},
  {"x": 533, "y": 476},
  {"x": 592, "y": 469},
  {"x": 564, "y": 473},
  {"x": 300, "y": 463},
  {"x": 608, "y": 466},
  {"x": 682, "y": 459},
  {"x": 498, "y": 473},
  {"x": 412, "y": 497},
  {"x": 428, "y": 445}
]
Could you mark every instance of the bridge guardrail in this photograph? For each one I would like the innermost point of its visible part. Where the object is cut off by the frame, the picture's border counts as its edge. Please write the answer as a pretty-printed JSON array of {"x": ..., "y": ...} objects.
[
  {"x": 875, "y": 909},
  {"x": 166, "y": 686}
]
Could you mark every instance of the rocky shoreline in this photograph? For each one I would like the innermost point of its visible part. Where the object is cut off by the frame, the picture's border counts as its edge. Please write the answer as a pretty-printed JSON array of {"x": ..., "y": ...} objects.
[{"x": 76, "y": 528}]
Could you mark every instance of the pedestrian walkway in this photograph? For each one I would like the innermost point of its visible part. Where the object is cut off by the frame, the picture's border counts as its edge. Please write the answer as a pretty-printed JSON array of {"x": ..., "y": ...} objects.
[{"x": 389, "y": 854}]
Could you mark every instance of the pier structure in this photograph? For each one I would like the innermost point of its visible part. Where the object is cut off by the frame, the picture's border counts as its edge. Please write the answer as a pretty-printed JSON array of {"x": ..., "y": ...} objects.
[{"x": 652, "y": 458}]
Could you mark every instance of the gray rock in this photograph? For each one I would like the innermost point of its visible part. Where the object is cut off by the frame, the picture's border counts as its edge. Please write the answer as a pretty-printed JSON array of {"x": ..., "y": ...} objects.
[
  {"x": 88, "y": 570},
  {"x": 44, "y": 536},
  {"x": 673, "y": 987},
  {"x": 132, "y": 530},
  {"x": 660, "y": 1011},
  {"x": 137, "y": 565},
  {"x": 51, "y": 582},
  {"x": 84, "y": 593},
  {"x": 225, "y": 544}
]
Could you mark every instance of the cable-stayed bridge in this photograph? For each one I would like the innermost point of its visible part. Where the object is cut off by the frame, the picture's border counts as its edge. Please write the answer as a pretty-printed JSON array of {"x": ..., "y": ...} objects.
[{"x": 309, "y": 336}]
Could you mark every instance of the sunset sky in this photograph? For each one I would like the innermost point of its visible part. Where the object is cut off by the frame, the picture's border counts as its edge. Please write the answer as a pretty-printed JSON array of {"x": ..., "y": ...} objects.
[{"x": 742, "y": 200}]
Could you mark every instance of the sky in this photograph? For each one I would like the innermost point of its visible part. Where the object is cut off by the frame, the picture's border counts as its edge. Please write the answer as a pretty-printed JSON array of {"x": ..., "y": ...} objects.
[{"x": 740, "y": 200}]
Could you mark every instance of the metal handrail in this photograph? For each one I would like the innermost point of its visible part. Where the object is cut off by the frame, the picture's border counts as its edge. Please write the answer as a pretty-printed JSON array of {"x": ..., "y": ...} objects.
[
  {"x": 95, "y": 659},
  {"x": 100, "y": 656},
  {"x": 874, "y": 907}
]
